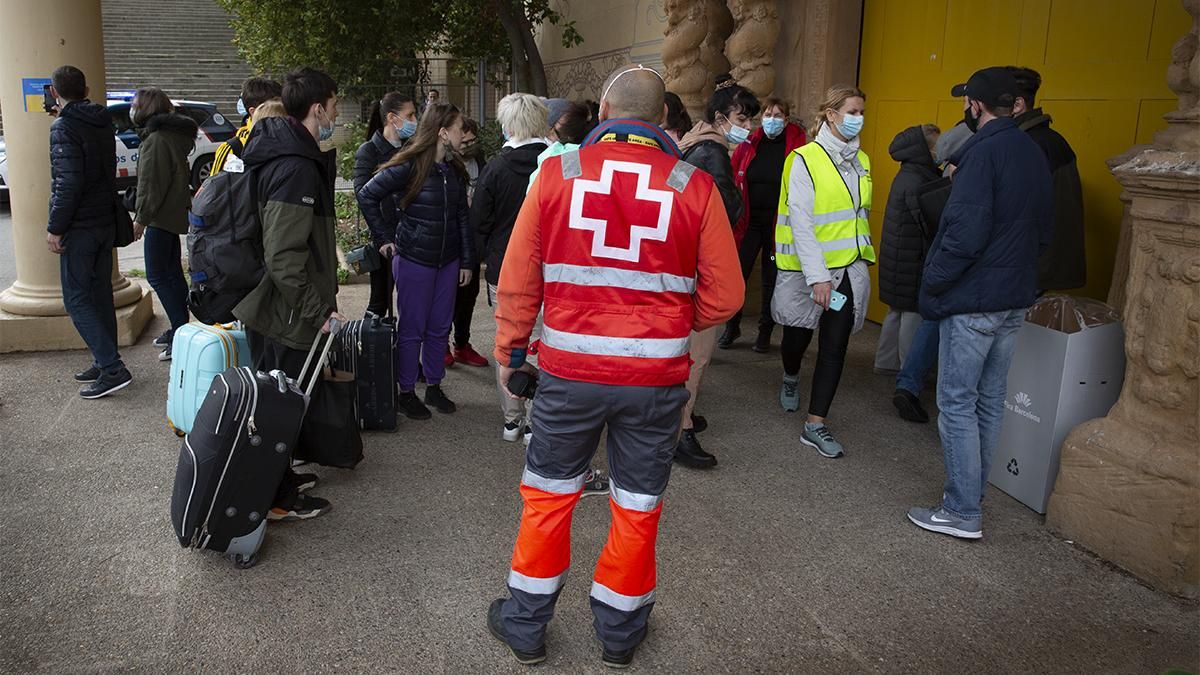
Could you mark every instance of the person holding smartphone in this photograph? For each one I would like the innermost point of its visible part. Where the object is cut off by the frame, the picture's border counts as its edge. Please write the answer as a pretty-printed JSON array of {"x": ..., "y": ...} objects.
[{"x": 822, "y": 249}]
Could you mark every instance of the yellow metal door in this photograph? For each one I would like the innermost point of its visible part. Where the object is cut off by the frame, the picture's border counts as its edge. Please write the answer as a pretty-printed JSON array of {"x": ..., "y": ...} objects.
[{"x": 1103, "y": 65}]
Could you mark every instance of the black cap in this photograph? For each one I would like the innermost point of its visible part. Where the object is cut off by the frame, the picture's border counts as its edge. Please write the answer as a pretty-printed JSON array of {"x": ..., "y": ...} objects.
[{"x": 993, "y": 86}]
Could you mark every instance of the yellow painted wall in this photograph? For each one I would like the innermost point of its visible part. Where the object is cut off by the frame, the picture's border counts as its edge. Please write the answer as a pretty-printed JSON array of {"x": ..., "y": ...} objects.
[{"x": 1103, "y": 66}]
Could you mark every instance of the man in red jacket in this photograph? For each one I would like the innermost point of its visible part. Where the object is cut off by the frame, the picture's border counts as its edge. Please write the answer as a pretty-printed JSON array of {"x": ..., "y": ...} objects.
[{"x": 629, "y": 249}]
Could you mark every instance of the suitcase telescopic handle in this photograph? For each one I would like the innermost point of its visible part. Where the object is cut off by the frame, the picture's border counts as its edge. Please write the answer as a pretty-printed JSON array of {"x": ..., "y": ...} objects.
[{"x": 334, "y": 327}]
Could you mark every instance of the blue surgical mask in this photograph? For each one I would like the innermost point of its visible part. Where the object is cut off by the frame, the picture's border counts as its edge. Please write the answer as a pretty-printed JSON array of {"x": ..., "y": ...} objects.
[
  {"x": 773, "y": 126},
  {"x": 850, "y": 126},
  {"x": 324, "y": 132},
  {"x": 736, "y": 134},
  {"x": 241, "y": 108},
  {"x": 407, "y": 129}
]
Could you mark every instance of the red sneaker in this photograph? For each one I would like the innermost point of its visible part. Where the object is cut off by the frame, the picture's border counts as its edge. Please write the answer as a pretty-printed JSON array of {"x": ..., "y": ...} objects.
[
  {"x": 467, "y": 354},
  {"x": 449, "y": 357}
]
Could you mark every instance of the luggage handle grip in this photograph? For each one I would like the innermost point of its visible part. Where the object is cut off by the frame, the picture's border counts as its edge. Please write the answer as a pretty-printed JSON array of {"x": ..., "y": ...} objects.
[{"x": 334, "y": 327}]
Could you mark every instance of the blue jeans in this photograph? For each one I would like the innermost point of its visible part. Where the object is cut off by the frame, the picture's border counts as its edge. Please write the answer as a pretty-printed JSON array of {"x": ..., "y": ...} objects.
[
  {"x": 164, "y": 271},
  {"x": 920, "y": 358},
  {"x": 86, "y": 273},
  {"x": 975, "y": 353}
]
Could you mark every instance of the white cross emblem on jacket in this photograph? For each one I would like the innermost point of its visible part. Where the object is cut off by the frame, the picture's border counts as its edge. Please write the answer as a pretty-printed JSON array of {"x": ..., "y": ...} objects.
[{"x": 638, "y": 232}]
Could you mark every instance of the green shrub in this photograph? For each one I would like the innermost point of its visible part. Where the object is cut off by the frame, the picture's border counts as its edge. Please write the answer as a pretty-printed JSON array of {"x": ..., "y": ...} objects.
[{"x": 345, "y": 152}]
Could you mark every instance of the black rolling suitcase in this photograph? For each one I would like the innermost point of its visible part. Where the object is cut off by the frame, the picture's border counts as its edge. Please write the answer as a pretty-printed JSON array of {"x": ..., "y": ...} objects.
[
  {"x": 235, "y": 456},
  {"x": 365, "y": 349}
]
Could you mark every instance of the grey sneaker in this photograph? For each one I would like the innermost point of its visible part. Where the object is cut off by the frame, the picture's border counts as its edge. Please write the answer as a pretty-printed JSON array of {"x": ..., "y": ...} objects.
[
  {"x": 818, "y": 436},
  {"x": 595, "y": 483},
  {"x": 789, "y": 395},
  {"x": 939, "y": 520}
]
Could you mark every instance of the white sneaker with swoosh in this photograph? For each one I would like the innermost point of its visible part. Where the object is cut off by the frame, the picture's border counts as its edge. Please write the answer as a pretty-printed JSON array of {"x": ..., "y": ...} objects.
[{"x": 939, "y": 520}]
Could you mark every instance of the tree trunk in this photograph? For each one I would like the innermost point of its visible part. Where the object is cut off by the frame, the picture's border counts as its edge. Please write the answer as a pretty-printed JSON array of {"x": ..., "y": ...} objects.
[
  {"x": 537, "y": 69},
  {"x": 520, "y": 62}
]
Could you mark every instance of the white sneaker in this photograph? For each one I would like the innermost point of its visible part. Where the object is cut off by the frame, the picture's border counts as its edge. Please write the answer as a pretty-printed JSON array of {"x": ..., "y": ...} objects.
[
  {"x": 512, "y": 431},
  {"x": 528, "y": 435}
]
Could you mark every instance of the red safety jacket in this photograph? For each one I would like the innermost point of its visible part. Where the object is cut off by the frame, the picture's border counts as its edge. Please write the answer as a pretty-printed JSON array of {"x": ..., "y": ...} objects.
[{"x": 630, "y": 250}]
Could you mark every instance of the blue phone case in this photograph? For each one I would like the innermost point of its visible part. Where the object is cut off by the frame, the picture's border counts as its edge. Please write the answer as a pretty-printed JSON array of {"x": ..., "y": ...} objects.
[{"x": 837, "y": 301}]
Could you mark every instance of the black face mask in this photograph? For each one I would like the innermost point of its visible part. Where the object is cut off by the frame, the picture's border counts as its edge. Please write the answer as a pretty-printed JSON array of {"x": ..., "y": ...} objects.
[{"x": 972, "y": 122}]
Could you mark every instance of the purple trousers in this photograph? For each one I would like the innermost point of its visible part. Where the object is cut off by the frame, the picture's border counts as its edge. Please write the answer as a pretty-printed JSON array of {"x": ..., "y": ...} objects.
[{"x": 424, "y": 314}]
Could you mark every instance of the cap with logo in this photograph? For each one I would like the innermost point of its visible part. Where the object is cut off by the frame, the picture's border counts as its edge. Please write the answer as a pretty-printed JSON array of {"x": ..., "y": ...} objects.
[{"x": 993, "y": 86}]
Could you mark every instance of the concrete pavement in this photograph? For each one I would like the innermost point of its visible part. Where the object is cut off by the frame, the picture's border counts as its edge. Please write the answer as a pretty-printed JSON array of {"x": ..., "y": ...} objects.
[{"x": 777, "y": 561}]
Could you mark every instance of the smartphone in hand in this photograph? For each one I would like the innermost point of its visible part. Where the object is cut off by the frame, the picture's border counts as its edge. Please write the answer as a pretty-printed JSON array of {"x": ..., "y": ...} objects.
[{"x": 837, "y": 301}]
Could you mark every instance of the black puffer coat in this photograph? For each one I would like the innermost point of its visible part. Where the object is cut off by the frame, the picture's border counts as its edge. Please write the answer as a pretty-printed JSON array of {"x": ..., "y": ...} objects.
[
  {"x": 83, "y": 168},
  {"x": 904, "y": 244},
  {"x": 499, "y": 194},
  {"x": 434, "y": 229},
  {"x": 1063, "y": 265}
]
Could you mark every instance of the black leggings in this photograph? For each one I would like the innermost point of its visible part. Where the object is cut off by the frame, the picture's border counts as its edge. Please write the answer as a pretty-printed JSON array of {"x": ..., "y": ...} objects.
[
  {"x": 464, "y": 309},
  {"x": 759, "y": 242},
  {"x": 381, "y": 289},
  {"x": 835, "y": 330}
]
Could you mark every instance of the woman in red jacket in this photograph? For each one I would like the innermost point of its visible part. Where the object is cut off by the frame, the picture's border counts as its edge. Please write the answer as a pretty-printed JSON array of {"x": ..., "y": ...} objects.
[{"x": 757, "y": 171}]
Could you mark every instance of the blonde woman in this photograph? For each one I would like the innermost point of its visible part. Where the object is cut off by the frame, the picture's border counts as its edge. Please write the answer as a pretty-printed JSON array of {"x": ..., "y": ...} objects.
[{"x": 822, "y": 249}]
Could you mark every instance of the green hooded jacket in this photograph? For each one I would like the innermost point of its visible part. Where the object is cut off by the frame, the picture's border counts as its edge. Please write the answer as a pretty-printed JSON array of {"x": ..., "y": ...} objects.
[{"x": 164, "y": 192}]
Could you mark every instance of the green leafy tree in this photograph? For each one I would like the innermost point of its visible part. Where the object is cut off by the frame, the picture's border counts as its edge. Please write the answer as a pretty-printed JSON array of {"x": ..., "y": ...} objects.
[{"x": 359, "y": 42}]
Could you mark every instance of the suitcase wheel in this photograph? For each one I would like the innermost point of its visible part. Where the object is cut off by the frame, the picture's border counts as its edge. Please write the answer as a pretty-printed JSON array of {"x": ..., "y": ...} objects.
[{"x": 244, "y": 562}]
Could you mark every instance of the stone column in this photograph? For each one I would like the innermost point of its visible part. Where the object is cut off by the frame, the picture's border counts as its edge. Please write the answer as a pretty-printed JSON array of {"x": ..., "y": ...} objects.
[
  {"x": 818, "y": 47},
  {"x": 1129, "y": 484},
  {"x": 39, "y": 36},
  {"x": 751, "y": 48},
  {"x": 694, "y": 49}
]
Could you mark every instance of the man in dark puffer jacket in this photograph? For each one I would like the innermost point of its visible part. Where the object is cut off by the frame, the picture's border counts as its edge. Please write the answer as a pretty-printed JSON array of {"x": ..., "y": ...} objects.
[
  {"x": 83, "y": 167},
  {"x": 904, "y": 243}
]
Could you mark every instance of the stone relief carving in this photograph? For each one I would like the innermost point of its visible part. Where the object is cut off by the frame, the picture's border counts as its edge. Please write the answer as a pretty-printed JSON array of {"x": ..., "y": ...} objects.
[
  {"x": 693, "y": 48},
  {"x": 751, "y": 48},
  {"x": 582, "y": 79}
]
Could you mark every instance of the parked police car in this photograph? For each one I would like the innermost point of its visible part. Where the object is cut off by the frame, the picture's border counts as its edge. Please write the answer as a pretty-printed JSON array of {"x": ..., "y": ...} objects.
[{"x": 214, "y": 129}]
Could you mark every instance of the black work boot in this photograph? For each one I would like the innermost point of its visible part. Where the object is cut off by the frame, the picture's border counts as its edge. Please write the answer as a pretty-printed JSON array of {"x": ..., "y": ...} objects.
[
  {"x": 617, "y": 659},
  {"x": 435, "y": 397},
  {"x": 729, "y": 336},
  {"x": 689, "y": 453},
  {"x": 496, "y": 628}
]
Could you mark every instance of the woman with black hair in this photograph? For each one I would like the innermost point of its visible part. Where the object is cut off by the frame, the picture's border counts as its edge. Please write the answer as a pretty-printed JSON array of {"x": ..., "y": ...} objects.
[
  {"x": 679, "y": 122},
  {"x": 727, "y": 120},
  {"x": 393, "y": 121},
  {"x": 427, "y": 234}
]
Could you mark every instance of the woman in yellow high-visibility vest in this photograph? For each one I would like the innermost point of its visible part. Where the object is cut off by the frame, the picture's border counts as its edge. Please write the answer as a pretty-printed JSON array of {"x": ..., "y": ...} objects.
[{"x": 822, "y": 249}]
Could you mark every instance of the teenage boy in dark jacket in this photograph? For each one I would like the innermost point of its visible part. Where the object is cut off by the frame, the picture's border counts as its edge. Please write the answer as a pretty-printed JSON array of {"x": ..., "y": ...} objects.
[
  {"x": 1064, "y": 264},
  {"x": 980, "y": 277},
  {"x": 297, "y": 297},
  {"x": 82, "y": 225}
]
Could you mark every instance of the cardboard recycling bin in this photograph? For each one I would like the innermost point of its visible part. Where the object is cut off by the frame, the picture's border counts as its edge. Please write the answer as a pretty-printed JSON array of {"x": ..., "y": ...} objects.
[{"x": 1068, "y": 368}]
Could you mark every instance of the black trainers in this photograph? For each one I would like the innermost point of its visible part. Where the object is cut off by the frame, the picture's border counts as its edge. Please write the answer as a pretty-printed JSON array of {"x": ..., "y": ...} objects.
[
  {"x": 165, "y": 354},
  {"x": 88, "y": 376},
  {"x": 164, "y": 338},
  {"x": 730, "y": 335},
  {"x": 762, "y": 343},
  {"x": 496, "y": 628},
  {"x": 909, "y": 407},
  {"x": 107, "y": 384},
  {"x": 435, "y": 397},
  {"x": 412, "y": 407},
  {"x": 595, "y": 483},
  {"x": 301, "y": 507},
  {"x": 617, "y": 659},
  {"x": 689, "y": 453},
  {"x": 300, "y": 482}
]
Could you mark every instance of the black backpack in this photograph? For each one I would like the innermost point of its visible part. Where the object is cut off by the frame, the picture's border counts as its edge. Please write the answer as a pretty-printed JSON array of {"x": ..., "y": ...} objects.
[{"x": 225, "y": 251}]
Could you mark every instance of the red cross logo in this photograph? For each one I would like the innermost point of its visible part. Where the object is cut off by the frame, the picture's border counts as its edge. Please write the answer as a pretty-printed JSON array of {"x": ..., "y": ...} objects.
[{"x": 655, "y": 229}]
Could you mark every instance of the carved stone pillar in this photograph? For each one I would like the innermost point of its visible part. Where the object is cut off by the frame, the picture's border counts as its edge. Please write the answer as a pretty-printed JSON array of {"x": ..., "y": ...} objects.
[
  {"x": 694, "y": 49},
  {"x": 751, "y": 48},
  {"x": 1129, "y": 484}
]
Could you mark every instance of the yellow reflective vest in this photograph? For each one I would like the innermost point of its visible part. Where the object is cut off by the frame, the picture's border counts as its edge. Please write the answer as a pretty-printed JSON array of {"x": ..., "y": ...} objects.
[{"x": 842, "y": 230}]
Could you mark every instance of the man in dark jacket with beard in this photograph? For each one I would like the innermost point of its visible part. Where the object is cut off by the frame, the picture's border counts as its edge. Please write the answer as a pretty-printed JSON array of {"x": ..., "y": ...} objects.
[
  {"x": 1064, "y": 264},
  {"x": 83, "y": 167},
  {"x": 297, "y": 297}
]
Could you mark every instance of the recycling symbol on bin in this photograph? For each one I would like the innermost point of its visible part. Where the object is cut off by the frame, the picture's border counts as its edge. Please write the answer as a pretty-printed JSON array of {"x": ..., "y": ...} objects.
[{"x": 1013, "y": 468}]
